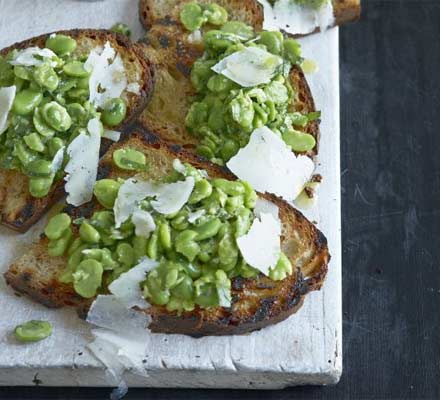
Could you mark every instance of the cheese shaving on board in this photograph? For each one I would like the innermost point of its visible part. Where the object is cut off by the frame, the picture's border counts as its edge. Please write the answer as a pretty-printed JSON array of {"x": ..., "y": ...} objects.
[
  {"x": 121, "y": 341},
  {"x": 108, "y": 312}
]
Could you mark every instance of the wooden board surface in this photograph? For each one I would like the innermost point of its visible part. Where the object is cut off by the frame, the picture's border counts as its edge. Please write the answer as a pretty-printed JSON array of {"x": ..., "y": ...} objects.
[{"x": 305, "y": 349}]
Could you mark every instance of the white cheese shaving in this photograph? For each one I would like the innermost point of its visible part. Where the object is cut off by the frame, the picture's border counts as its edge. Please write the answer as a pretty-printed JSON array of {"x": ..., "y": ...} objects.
[
  {"x": 57, "y": 161},
  {"x": 195, "y": 37},
  {"x": 304, "y": 201},
  {"x": 110, "y": 313},
  {"x": 269, "y": 165},
  {"x": 119, "y": 351},
  {"x": 107, "y": 353},
  {"x": 169, "y": 198},
  {"x": 7, "y": 96},
  {"x": 33, "y": 56},
  {"x": 112, "y": 135},
  {"x": 295, "y": 18},
  {"x": 131, "y": 192},
  {"x": 263, "y": 206},
  {"x": 122, "y": 341},
  {"x": 95, "y": 125},
  {"x": 108, "y": 78},
  {"x": 178, "y": 166},
  {"x": 204, "y": 173},
  {"x": 133, "y": 87},
  {"x": 249, "y": 67},
  {"x": 143, "y": 222},
  {"x": 261, "y": 246},
  {"x": 82, "y": 167},
  {"x": 127, "y": 287},
  {"x": 224, "y": 296},
  {"x": 173, "y": 196},
  {"x": 120, "y": 391},
  {"x": 194, "y": 216}
]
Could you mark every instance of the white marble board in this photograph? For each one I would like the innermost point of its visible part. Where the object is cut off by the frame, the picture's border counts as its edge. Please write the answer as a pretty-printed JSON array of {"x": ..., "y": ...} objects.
[{"x": 305, "y": 349}]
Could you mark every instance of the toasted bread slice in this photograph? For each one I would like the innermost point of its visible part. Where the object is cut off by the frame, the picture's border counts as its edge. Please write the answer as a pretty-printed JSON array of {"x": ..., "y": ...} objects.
[
  {"x": 346, "y": 11},
  {"x": 256, "y": 302},
  {"x": 18, "y": 209},
  {"x": 173, "y": 56},
  {"x": 166, "y": 12}
]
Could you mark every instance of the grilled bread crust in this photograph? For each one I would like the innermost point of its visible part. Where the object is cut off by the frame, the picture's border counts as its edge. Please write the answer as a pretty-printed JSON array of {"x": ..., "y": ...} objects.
[
  {"x": 18, "y": 209},
  {"x": 256, "y": 302}
]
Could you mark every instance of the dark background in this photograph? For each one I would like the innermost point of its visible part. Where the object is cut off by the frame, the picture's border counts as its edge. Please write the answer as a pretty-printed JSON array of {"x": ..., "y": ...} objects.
[{"x": 390, "y": 134}]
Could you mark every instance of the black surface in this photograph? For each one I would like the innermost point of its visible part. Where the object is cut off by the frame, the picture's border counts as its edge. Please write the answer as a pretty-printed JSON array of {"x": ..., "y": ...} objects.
[{"x": 390, "y": 128}]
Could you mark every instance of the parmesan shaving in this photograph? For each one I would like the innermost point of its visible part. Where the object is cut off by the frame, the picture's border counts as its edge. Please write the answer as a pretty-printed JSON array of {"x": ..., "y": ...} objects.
[
  {"x": 7, "y": 96},
  {"x": 82, "y": 168},
  {"x": 261, "y": 246},
  {"x": 269, "y": 165},
  {"x": 57, "y": 161},
  {"x": 249, "y": 67},
  {"x": 173, "y": 196},
  {"x": 33, "y": 57},
  {"x": 131, "y": 192},
  {"x": 127, "y": 287},
  {"x": 143, "y": 222},
  {"x": 108, "y": 78},
  {"x": 295, "y": 18},
  {"x": 111, "y": 135}
]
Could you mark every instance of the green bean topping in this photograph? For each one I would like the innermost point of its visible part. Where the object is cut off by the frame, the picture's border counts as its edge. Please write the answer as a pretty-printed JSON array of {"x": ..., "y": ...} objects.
[
  {"x": 106, "y": 191},
  {"x": 129, "y": 159},
  {"x": 33, "y": 331},
  {"x": 56, "y": 116},
  {"x": 57, "y": 225},
  {"x": 114, "y": 112},
  {"x": 299, "y": 141},
  {"x": 87, "y": 278},
  {"x": 26, "y": 101},
  {"x": 61, "y": 44},
  {"x": 76, "y": 69},
  {"x": 40, "y": 187},
  {"x": 50, "y": 109},
  {"x": 196, "y": 247},
  {"x": 223, "y": 114},
  {"x": 88, "y": 233},
  {"x": 193, "y": 15},
  {"x": 121, "y": 28}
]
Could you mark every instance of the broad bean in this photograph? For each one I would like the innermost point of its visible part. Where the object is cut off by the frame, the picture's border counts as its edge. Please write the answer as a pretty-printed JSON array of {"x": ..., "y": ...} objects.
[{"x": 87, "y": 278}]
